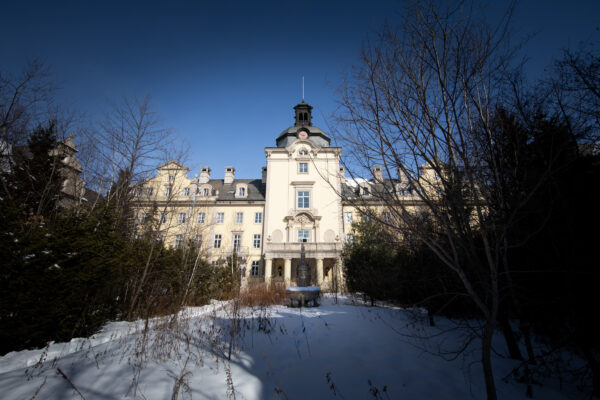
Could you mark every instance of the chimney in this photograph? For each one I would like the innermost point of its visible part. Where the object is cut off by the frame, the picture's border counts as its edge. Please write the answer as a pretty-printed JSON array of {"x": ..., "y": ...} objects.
[
  {"x": 377, "y": 174},
  {"x": 264, "y": 174},
  {"x": 402, "y": 176},
  {"x": 204, "y": 175},
  {"x": 229, "y": 174}
]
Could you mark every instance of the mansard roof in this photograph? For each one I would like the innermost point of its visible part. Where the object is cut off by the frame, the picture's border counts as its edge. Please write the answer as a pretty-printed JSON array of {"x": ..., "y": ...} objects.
[
  {"x": 313, "y": 131},
  {"x": 256, "y": 189}
]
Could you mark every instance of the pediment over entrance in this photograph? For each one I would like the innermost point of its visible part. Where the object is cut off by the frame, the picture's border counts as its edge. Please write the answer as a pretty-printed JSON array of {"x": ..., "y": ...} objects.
[{"x": 302, "y": 218}]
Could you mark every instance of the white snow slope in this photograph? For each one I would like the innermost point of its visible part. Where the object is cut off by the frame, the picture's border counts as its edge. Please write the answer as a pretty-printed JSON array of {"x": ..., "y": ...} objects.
[{"x": 335, "y": 351}]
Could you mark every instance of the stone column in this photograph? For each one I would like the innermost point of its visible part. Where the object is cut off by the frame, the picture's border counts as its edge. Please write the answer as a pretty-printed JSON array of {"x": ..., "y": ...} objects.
[
  {"x": 268, "y": 270},
  {"x": 287, "y": 271},
  {"x": 319, "y": 271}
]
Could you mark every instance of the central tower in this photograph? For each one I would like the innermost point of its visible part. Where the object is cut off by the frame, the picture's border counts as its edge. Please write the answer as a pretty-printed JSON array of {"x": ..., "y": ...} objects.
[{"x": 302, "y": 202}]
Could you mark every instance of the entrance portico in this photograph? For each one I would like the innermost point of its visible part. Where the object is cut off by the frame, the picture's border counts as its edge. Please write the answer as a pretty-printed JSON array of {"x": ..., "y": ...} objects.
[{"x": 281, "y": 262}]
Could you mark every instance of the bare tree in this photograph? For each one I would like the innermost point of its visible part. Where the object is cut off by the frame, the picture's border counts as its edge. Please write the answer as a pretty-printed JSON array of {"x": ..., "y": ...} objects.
[
  {"x": 421, "y": 105},
  {"x": 25, "y": 100},
  {"x": 132, "y": 141}
]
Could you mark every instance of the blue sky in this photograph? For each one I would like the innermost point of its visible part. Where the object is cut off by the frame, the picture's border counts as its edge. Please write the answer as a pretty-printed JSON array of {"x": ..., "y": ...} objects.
[{"x": 224, "y": 75}]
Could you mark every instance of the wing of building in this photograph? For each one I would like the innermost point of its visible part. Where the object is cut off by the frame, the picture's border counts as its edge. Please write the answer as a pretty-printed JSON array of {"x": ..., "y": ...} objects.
[{"x": 263, "y": 221}]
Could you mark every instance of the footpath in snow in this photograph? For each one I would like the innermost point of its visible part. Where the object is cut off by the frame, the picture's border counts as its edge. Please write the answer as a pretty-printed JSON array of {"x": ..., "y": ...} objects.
[{"x": 339, "y": 350}]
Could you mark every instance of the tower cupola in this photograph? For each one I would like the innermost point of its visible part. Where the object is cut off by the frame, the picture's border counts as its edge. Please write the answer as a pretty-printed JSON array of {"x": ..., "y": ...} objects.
[{"x": 303, "y": 114}]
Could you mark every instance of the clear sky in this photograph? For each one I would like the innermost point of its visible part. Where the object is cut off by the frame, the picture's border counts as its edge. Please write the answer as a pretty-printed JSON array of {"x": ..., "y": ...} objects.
[{"x": 224, "y": 75}]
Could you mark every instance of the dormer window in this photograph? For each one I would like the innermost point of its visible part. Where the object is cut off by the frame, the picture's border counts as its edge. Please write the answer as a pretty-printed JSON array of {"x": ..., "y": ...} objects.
[
  {"x": 206, "y": 191},
  {"x": 364, "y": 191},
  {"x": 241, "y": 190}
]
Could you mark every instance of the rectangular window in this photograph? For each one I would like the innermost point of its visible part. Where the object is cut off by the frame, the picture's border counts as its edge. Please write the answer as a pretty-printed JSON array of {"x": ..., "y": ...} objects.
[
  {"x": 186, "y": 192},
  {"x": 239, "y": 218},
  {"x": 143, "y": 217},
  {"x": 198, "y": 240},
  {"x": 242, "y": 192},
  {"x": 256, "y": 241},
  {"x": 258, "y": 218},
  {"x": 254, "y": 268},
  {"x": 386, "y": 217},
  {"x": 350, "y": 238},
  {"x": 303, "y": 199},
  {"x": 178, "y": 241},
  {"x": 302, "y": 168},
  {"x": 206, "y": 192},
  {"x": 149, "y": 191},
  {"x": 215, "y": 263},
  {"x": 163, "y": 218},
  {"x": 201, "y": 217},
  {"x": 181, "y": 218},
  {"x": 167, "y": 191},
  {"x": 220, "y": 218},
  {"x": 237, "y": 241},
  {"x": 303, "y": 235},
  {"x": 171, "y": 178},
  {"x": 218, "y": 241},
  {"x": 348, "y": 217}
]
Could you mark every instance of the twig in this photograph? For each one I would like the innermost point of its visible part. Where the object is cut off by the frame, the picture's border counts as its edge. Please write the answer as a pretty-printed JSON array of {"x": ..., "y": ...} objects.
[{"x": 70, "y": 383}]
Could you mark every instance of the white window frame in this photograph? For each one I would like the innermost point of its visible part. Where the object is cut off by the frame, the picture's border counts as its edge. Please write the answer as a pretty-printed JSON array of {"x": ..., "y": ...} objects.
[
  {"x": 239, "y": 217},
  {"x": 206, "y": 192},
  {"x": 149, "y": 191},
  {"x": 307, "y": 236},
  {"x": 256, "y": 241},
  {"x": 178, "y": 241},
  {"x": 303, "y": 167},
  {"x": 254, "y": 269},
  {"x": 350, "y": 238},
  {"x": 242, "y": 191},
  {"x": 348, "y": 217},
  {"x": 181, "y": 218},
  {"x": 201, "y": 217},
  {"x": 258, "y": 217},
  {"x": 167, "y": 191},
  {"x": 236, "y": 241},
  {"x": 305, "y": 199},
  {"x": 218, "y": 241},
  {"x": 186, "y": 192},
  {"x": 171, "y": 178},
  {"x": 220, "y": 217}
]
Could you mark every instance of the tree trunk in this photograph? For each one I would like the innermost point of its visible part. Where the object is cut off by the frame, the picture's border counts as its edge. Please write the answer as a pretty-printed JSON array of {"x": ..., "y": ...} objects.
[
  {"x": 509, "y": 336},
  {"x": 486, "y": 359}
]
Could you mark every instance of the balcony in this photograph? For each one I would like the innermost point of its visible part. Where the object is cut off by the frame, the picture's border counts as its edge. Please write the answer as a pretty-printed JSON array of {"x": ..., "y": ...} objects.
[{"x": 313, "y": 250}]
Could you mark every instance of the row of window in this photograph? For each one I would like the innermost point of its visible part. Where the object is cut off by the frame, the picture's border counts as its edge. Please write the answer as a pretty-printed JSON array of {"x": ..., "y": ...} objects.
[
  {"x": 182, "y": 218},
  {"x": 237, "y": 241},
  {"x": 254, "y": 268},
  {"x": 303, "y": 236},
  {"x": 241, "y": 192}
]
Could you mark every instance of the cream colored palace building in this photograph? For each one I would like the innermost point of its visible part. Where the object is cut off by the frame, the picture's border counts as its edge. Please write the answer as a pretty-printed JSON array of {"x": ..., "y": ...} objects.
[{"x": 263, "y": 221}]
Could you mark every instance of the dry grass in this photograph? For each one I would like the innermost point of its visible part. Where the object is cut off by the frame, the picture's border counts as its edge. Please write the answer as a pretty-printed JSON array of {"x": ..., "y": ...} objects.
[{"x": 260, "y": 294}]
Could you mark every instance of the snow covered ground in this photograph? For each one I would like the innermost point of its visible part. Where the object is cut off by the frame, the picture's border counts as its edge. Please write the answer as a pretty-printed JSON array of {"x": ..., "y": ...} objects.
[{"x": 335, "y": 351}]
